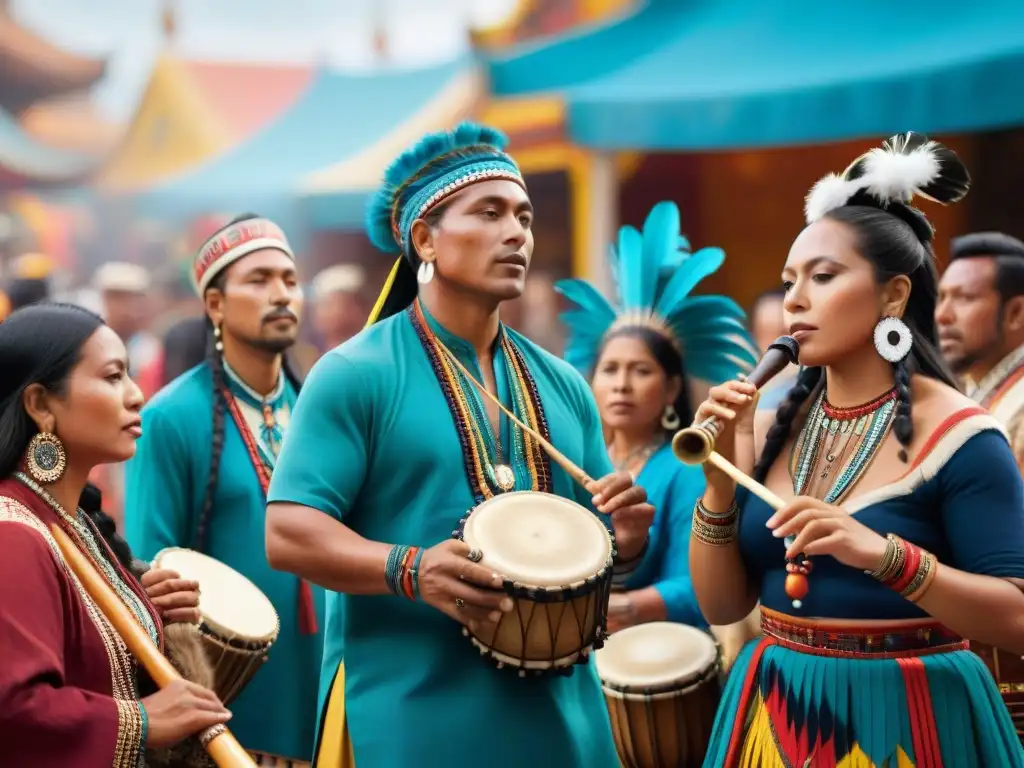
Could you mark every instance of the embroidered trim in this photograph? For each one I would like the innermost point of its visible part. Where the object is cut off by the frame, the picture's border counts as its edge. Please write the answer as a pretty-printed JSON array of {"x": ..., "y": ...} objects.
[
  {"x": 527, "y": 405},
  {"x": 128, "y": 751},
  {"x": 990, "y": 384}
]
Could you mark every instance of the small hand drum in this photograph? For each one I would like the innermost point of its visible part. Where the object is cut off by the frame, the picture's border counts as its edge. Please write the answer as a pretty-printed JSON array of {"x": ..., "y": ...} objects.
[
  {"x": 238, "y": 623},
  {"x": 555, "y": 557},
  {"x": 661, "y": 686}
]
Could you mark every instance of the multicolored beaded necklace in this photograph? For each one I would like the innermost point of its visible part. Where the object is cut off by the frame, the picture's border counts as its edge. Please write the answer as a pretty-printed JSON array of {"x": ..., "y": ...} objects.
[
  {"x": 528, "y": 467},
  {"x": 836, "y": 445},
  {"x": 86, "y": 539}
]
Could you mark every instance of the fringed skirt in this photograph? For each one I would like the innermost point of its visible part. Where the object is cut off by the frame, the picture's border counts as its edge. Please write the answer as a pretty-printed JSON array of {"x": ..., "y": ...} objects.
[{"x": 809, "y": 696}]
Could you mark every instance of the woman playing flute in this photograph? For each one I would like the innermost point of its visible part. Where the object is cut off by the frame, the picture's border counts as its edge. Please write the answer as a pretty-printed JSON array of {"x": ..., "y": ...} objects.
[
  {"x": 69, "y": 693},
  {"x": 903, "y": 527}
]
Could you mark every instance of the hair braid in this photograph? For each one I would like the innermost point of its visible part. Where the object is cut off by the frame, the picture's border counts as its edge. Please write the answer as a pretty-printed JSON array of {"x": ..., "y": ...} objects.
[
  {"x": 784, "y": 417},
  {"x": 903, "y": 425},
  {"x": 219, "y": 414},
  {"x": 91, "y": 502}
]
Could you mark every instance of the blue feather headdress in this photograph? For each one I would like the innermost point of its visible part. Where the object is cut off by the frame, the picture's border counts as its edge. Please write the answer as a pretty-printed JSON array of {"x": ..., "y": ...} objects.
[
  {"x": 436, "y": 167},
  {"x": 655, "y": 273}
]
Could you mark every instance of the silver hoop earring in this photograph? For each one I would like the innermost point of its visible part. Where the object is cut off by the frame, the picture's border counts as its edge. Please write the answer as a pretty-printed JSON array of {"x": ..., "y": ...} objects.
[
  {"x": 670, "y": 418},
  {"x": 425, "y": 273},
  {"x": 893, "y": 339}
]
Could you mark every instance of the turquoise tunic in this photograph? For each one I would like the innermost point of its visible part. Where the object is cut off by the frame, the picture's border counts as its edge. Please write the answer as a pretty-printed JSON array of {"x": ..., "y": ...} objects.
[
  {"x": 164, "y": 491},
  {"x": 673, "y": 488},
  {"x": 373, "y": 444}
]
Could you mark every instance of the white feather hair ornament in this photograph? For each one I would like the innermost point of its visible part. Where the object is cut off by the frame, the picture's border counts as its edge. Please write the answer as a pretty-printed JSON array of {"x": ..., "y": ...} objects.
[{"x": 905, "y": 166}]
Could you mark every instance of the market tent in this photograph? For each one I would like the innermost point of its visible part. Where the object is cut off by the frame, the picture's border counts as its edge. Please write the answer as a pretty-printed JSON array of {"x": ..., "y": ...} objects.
[{"x": 741, "y": 73}]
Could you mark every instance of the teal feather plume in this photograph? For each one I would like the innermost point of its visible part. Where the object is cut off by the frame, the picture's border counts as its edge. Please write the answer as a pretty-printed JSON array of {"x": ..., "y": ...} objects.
[
  {"x": 655, "y": 273},
  {"x": 410, "y": 163}
]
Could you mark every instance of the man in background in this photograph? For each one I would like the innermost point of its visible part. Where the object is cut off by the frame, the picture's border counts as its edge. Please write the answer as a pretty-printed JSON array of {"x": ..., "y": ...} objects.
[
  {"x": 980, "y": 316},
  {"x": 338, "y": 312},
  {"x": 123, "y": 292}
]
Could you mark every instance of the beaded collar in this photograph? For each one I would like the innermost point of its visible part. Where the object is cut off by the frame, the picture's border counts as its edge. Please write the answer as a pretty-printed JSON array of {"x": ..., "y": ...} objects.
[
  {"x": 271, "y": 434},
  {"x": 529, "y": 464}
]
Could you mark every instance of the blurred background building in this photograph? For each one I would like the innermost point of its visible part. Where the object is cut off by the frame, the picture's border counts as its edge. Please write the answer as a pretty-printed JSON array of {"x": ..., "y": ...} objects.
[{"x": 129, "y": 129}]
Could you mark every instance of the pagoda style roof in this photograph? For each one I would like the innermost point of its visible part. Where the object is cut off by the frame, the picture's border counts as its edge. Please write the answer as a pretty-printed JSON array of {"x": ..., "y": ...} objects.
[{"x": 35, "y": 69}]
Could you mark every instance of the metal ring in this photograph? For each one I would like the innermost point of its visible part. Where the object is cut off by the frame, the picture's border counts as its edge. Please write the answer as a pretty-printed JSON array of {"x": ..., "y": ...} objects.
[
  {"x": 460, "y": 603},
  {"x": 475, "y": 555}
]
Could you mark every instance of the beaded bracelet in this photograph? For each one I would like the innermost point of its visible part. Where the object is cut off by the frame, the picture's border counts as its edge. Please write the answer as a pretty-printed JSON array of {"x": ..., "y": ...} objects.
[
  {"x": 905, "y": 568},
  {"x": 714, "y": 528},
  {"x": 401, "y": 573},
  {"x": 623, "y": 570}
]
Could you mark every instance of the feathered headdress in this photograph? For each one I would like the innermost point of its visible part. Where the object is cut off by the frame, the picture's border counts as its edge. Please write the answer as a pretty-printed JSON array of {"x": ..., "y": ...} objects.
[
  {"x": 436, "y": 167},
  {"x": 905, "y": 166},
  {"x": 655, "y": 273}
]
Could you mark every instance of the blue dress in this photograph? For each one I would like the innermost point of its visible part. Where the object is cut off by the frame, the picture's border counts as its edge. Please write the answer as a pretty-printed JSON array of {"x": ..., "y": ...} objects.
[
  {"x": 908, "y": 696},
  {"x": 165, "y": 485},
  {"x": 673, "y": 488},
  {"x": 373, "y": 443}
]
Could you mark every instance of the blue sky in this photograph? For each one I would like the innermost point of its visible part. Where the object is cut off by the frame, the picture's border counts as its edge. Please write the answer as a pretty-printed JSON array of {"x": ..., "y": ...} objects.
[{"x": 335, "y": 32}]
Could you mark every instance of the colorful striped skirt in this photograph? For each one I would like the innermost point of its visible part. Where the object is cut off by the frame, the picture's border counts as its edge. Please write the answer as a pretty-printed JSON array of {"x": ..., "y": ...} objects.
[{"x": 807, "y": 695}]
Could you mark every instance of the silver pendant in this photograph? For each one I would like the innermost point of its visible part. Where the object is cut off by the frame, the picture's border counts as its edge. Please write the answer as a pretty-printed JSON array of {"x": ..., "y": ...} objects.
[{"x": 505, "y": 477}]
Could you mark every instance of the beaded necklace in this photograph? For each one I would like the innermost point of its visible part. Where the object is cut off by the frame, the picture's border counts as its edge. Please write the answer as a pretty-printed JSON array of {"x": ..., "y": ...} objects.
[
  {"x": 843, "y": 438},
  {"x": 528, "y": 466},
  {"x": 87, "y": 542}
]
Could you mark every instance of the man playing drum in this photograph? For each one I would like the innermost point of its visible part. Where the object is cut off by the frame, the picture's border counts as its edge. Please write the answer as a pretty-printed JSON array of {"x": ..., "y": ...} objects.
[
  {"x": 200, "y": 476},
  {"x": 392, "y": 442}
]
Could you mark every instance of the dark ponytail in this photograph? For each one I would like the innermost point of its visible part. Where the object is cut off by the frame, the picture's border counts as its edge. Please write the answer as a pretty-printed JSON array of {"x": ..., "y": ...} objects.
[
  {"x": 91, "y": 502},
  {"x": 775, "y": 440},
  {"x": 220, "y": 407}
]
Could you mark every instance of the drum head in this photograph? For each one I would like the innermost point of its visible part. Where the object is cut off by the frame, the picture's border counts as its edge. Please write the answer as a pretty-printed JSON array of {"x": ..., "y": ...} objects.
[
  {"x": 230, "y": 604},
  {"x": 538, "y": 539},
  {"x": 653, "y": 655}
]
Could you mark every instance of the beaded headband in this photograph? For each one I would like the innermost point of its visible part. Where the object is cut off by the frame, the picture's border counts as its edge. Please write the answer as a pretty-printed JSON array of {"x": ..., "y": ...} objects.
[{"x": 233, "y": 242}]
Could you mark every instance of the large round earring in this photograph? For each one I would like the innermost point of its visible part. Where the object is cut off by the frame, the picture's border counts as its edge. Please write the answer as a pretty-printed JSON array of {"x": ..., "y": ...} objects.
[
  {"x": 46, "y": 459},
  {"x": 218, "y": 344},
  {"x": 670, "y": 418},
  {"x": 425, "y": 273},
  {"x": 893, "y": 339}
]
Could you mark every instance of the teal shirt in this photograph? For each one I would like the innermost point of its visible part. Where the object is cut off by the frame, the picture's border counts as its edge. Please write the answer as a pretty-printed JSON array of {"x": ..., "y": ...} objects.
[
  {"x": 165, "y": 485},
  {"x": 373, "y": 444},
  {"x": 673, "y": 488}
]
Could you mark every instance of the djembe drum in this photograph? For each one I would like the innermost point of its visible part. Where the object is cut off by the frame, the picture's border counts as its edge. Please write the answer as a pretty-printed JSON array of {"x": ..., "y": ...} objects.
[
  {"x": 1008, "y": 670},
  {"x": 555, "y": 558},
  {"x": 238, "y": 623},
  {"x": 661, "y": 685}
]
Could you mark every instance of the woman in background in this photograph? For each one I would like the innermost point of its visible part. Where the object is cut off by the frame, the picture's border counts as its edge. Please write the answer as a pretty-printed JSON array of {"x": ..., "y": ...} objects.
[{"x": 634, "y": 356}]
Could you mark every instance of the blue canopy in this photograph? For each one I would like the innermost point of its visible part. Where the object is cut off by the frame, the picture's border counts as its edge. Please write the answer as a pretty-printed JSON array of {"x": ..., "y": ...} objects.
[
  {"x": 24, "y": 158},
  {"x": 748, "y": 73},
  {"x": 338, "y": 116}
]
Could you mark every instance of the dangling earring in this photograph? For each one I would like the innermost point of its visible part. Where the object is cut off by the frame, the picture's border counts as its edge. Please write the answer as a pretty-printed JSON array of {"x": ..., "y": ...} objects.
[
  {"x": 670, "y": 419},
  {"x": 893, "y": 339},
  {"x": 46, "y": 459},
  {"x": 425, "y": 273},
  {"x": 218, "y": 344}
]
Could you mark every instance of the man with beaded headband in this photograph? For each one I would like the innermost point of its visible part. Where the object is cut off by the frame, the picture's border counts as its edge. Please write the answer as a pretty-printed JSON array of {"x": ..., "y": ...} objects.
[
  {"x": 901, "y": 530},
  {"x": 201, "y": 483},
  {"x": 392, "y": 442},
  {"x": 981, "y": 324}
]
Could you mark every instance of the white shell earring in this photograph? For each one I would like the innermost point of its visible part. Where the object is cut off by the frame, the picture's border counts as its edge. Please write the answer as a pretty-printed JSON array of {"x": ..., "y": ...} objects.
[
  {"x": 425, "y": 273},
  {"x": 670, "y": 418},
  {"x": 218, "y": 344},
  {"x": 893, "y": 339}
]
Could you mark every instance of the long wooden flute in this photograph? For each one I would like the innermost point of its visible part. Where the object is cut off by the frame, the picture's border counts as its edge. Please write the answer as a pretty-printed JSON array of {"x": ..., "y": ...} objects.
[{"x": 218, "y": 741}]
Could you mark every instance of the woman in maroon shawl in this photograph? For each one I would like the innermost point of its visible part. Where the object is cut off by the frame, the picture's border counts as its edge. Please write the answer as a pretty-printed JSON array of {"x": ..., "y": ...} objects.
[{"x": 69, "y": 692}]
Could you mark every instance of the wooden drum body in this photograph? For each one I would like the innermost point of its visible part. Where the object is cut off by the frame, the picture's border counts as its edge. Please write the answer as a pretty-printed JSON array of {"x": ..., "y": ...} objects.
[
  {"x": 238, "y": 623},
  {"x": 555, "y": 558},
  {"x": 662, "y": 688},
  {"x": 1008, "y": 670}
]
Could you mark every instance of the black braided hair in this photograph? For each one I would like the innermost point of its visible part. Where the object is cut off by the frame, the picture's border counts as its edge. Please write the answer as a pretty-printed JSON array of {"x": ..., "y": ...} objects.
[
  {"x": 779, "y": 433},
  {"x": 220, "y": 408},
  {"x": 91, "y": 502}
]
